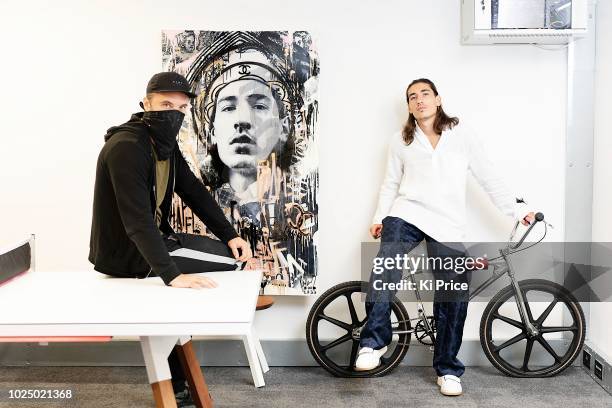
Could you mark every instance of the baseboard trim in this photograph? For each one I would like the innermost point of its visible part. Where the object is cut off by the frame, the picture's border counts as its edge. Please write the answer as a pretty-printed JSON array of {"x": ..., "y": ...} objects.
[{"x": 216, "y": 352}]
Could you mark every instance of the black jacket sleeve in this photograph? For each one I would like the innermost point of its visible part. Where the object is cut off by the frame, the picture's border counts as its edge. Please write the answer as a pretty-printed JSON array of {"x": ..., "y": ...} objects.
[
  {"x": 196, "y": 196},
  {"x": 129, "y": 172}
]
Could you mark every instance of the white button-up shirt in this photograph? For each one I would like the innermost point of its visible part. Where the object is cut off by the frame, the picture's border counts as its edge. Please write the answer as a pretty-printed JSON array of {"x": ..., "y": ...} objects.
[{"x": 427, "y": 187}]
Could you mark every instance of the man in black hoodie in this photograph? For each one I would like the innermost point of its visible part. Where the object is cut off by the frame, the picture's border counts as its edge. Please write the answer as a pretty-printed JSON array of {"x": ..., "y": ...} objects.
[{"x": 138, "y": 170}]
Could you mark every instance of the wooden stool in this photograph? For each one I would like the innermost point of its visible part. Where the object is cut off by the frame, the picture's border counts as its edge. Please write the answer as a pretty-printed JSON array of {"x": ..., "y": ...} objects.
[{"x": 264, "y": 302}]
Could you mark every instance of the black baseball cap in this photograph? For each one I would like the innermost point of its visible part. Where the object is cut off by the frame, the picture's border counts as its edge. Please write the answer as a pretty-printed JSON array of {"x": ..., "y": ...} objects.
[{"x": 169, "y": 82}]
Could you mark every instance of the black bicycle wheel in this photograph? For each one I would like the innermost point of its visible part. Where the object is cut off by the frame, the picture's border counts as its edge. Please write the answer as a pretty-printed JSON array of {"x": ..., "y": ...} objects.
[
  {"x": 344, "y": 302},
  {"x": 523, "y": 354}
]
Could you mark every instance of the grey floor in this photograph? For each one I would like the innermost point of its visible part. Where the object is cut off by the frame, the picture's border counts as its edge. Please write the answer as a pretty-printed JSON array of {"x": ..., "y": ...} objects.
[{"x": 294, "y": 387}]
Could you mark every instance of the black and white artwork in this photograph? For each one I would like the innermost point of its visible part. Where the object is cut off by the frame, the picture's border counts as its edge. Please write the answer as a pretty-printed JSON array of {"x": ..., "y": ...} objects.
[{"x": 251, "y": 138}]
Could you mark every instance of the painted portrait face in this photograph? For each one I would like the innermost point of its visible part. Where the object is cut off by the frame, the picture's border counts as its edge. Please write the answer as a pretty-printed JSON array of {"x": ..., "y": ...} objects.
[
  {"x": 422, "y": 102},
  {"x": 189, "y": 43},
  {"x": 247, "y": 124}
]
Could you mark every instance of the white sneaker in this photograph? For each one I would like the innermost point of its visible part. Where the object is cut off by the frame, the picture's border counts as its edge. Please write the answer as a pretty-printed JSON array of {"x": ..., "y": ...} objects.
[
  {"x": 450, "y": 385},
  {"x": 368, "y": 358}
]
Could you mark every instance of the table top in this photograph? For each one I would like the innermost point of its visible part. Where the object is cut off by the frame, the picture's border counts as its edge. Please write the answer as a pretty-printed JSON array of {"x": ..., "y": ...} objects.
[{"x": 83, "y": 302}]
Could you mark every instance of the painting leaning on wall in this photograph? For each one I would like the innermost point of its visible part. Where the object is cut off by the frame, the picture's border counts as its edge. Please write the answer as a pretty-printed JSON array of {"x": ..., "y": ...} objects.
[{"x": 251, "y": 138}]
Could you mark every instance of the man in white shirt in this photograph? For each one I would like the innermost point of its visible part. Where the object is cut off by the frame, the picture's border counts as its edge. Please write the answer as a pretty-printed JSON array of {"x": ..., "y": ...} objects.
[{"x": 423, "y": 198}]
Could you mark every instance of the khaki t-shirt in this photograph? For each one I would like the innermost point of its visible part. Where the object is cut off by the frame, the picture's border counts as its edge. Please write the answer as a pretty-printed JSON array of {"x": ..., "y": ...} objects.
[{"x": 162, "y": 174}]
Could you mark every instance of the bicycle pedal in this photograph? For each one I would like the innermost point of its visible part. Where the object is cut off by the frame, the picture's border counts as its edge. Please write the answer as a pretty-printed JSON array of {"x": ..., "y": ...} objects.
[{"x": 431, "y": 349}]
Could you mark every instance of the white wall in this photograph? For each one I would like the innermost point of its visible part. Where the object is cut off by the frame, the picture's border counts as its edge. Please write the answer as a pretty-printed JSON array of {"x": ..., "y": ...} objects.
[
  {"x": 600, "y": 330},
  {"x": 69, "y": 71}
]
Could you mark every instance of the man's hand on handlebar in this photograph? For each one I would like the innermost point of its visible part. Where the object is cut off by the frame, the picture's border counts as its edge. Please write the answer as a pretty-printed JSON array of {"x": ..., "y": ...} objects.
[
  {"x": 528, "y": 219},
  {"x": 192, "y": 281},
  {"x": 376, "y": 230}
]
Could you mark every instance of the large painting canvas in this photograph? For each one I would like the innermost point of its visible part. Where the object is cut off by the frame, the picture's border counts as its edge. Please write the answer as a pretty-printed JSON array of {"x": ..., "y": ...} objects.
[{"x": 251, "y": 138}]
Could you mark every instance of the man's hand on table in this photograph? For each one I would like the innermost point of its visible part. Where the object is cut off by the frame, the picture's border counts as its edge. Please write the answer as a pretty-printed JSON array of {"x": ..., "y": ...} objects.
[{"x": 192, "y": 281}]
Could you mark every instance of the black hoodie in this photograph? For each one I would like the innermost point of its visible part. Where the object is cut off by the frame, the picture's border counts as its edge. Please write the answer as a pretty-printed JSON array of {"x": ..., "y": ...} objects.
[{"x": 125, "y": 241}]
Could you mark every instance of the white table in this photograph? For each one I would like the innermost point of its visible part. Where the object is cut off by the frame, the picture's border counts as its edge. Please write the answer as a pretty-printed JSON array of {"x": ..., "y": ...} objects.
[{"x": 87, "y": 303}]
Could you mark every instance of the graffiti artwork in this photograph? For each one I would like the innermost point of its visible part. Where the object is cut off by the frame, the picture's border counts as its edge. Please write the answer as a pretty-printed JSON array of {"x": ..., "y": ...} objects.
[{"x": 251, "y": 138}]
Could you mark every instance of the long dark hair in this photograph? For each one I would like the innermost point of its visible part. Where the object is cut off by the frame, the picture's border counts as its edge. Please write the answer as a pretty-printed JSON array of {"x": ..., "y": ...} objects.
[{"x": 442, "y": 121}]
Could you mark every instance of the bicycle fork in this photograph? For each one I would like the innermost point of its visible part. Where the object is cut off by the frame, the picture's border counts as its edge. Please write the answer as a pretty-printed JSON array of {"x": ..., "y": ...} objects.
[{"x": 520, "y": 299}]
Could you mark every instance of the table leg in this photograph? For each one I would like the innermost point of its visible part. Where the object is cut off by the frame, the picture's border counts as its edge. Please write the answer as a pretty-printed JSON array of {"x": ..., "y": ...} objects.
[
  {"x": 260, "y": 353},
  {"x": 155, "y": 351},
  {"x": 249, "y": 341},
  {"x": 163, "y": 394},
  {"x": 195, "y": 378}
]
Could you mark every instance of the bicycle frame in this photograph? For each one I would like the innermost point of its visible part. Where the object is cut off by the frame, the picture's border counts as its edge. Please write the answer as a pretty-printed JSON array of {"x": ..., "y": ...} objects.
[{"x": 500, "y": 268}]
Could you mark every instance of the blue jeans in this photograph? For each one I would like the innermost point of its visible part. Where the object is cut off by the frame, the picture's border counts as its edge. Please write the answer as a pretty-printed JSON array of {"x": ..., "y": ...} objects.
[{"x": 449, "y": 309}]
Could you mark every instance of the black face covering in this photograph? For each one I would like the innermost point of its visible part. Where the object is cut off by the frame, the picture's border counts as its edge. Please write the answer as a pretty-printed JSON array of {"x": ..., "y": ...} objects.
[{"x": 164, "y": 126}]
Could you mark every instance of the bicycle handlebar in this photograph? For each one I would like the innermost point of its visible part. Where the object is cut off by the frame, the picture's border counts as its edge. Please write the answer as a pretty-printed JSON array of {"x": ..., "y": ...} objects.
[{"x": 538, "y": 218}]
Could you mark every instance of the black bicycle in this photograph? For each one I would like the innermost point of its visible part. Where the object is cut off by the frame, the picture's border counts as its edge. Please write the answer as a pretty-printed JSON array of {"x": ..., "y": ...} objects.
[{"x": 512, "y": 356}]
